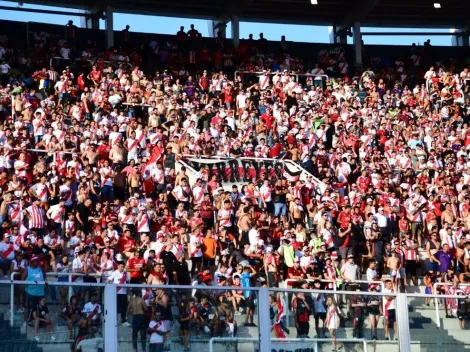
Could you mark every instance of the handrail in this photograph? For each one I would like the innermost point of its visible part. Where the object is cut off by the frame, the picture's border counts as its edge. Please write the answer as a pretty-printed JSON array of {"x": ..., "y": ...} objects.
[
  {"x": 91, "y": 62},
  {"x": 286, "y": 293},
  {"x": 54, "y": 153},
  {"x": 135, "y": 104},
  {"x": 56, "y": 273},
  {"x": 12, "y": 300},
  {"x": 381, "y": 283},
  {"x": 286, "y": 341},
  {"x": 46, "y": 151},
  {"x": 70, "y": 275},
  {"x": 436, "y": 300},
  {"x": 109, "y": 302}
]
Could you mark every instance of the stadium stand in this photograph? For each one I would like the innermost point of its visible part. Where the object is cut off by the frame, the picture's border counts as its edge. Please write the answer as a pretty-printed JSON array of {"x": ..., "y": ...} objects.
[{"x": 180, "y": 160}]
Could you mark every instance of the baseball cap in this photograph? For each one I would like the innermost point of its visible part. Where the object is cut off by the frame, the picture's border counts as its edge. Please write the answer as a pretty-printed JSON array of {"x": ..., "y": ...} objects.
[
  {"x": 350, "y": 256},
  {"x": 35, "y": 258}
]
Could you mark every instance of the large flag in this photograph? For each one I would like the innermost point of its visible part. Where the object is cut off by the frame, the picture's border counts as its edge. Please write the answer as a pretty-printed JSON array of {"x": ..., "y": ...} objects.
[{"x": 279, "y": 328}]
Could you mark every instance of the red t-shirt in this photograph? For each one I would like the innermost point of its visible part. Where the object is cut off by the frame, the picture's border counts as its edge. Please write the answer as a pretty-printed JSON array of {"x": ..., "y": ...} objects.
[
  {"x": 228, "y": 98},
  {"x": 294, "y": 272},
  {"x": 136, "y": 263},
  {"x": 268, "y": 120},
  {"x": 96, "y": 75},
  {"x": 344, "y": 219},
  {"x": 275, "y": 150},
  {"x": 124, "y": 244}
]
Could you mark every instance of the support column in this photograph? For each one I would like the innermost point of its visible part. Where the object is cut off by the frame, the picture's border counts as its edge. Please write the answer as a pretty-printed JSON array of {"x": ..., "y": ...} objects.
[
  {"x": 263, "y": 320},
  {"x": 110, "y": 318},
  {"x": 88, "y": 22},
  {"x": 460, "y": 39},
  {"x": 92, "y": 23},
  {"x": 109, "y": 26},
  {"x": 335, "y": 38},
  {"x": 217, "y": 26},
  {"x": 403, "y": 322},
  {"x": 235, "y": 31},
  {"x": 357, "y": 45}
]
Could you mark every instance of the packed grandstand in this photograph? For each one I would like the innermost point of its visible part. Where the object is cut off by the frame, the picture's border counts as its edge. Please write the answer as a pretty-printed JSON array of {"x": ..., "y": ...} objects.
[{"x": 182, "y": 163}]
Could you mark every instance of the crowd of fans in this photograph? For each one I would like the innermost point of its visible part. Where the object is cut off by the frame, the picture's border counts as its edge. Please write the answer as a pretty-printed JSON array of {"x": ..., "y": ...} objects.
[{"x": 89, "y": 183}]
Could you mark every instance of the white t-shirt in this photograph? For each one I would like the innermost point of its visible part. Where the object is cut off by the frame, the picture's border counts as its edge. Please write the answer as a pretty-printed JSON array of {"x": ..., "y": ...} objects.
[
  {"x": 389, "y": 304},
  {"x": 158, "y": 326},
  {"x": 116, "y": 277},
  {"x": 253, "y": 236},
  {"x": 65, "y": 52},
  {"x": 78, "y": 265},
  {"x": 90, "y": 308},
  {"x": 371, "y": 274},
  {"x": 194, "y": 250},
  {"x": 91, "y": 345}
]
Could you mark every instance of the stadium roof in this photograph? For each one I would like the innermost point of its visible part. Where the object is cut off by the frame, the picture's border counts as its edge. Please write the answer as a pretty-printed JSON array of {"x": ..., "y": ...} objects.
[{"x": 376, "y": 13}]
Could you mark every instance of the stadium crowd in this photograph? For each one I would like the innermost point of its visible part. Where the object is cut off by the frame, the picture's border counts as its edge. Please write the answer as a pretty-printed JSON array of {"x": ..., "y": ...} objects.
[{"x": 90, "y": 183}]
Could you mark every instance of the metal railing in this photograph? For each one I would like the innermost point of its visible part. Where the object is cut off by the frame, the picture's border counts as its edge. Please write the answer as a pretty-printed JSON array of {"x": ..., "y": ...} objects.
[
  {"x": 284, "y": 343},
  {"x": 44, "y": 151},
  {"x": 438, "y": 296},
  {"x": 137, "y": 104},
  {"x": 334, "y": 290},
  {"x": 289, "y": 312},
  {"x": 48, "y": 282},
  {"x": 12, "y": 298},
  {"x": 109, "y": 302},
  {"x": 110, "y": 321}
]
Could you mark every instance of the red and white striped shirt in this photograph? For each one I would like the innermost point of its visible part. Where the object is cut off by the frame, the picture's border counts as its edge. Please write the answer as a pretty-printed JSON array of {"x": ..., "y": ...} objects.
[
  {"x": 410, "y": 254},
  {"x": 36, "y": 219}
]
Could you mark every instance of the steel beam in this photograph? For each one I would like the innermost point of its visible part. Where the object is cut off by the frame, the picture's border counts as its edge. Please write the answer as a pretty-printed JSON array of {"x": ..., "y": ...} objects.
[
  {"x": 411, "y": 33},
  {"x": 53, "y": 12},
  {"x": 359, "y": 12}
]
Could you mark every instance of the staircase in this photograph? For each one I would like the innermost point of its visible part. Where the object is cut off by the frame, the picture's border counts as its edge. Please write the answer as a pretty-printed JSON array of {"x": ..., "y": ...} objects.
[{"x": 13, "y": 340}]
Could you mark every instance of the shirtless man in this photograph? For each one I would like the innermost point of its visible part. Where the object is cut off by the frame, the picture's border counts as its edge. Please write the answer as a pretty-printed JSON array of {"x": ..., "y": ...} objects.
[
  {"x": 296, "y": 212},
  {"x": 160, "y": 107},
  {"x": 91, "y": 155},
  {"x": 181, "y": 175},
  {"x": 447, "y": 215},
  {"x": 133, "y": 180},
  {"x": 137, "y": 308},
  {"x": 27, "y": 113},
  {"x": 394, "y": 264},
  {"x": 154, "y": 119},
  {"x": 116, "y": 154},
  {"x": 244, "y": 225},
  {"x": 294, "y": 152},
  {"x": 175, "y": 145}
]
